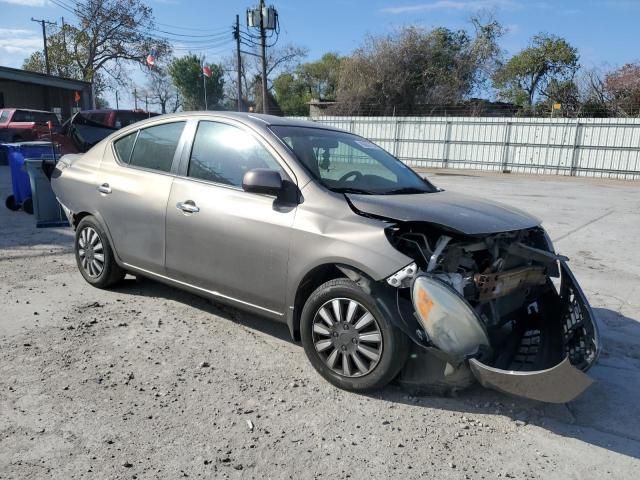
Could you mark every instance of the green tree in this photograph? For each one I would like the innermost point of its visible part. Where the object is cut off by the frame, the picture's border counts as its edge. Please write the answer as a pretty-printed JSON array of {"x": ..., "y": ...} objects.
[
  {"x": 292, "y": 94},
  {"x": 186, "y": 73},
  {"x": 61, "y": 59},
  {"x": 321, "y": 77},
  {"x": 537, "y": 71}
]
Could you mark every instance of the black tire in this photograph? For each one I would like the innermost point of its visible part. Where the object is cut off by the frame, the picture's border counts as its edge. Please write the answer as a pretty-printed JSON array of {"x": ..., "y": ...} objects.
[
  {"x": 110, "y": 273},
  {"x": 11, "y": 204},
  {"x": 394, "y": 346},
  {"x": 27, "y": 206}
]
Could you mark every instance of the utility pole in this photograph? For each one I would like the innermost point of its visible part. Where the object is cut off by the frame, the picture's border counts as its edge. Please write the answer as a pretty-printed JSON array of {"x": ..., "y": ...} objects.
[
  {"x": 265, "y": 19},
  {"x": 263, "y": 46},
  {"x": 135, "y": 98},
  {"x": 204, "y": 87},
  {"x": 236, "y": 34},
  {"x": 117, "y": 103},
  {"x": 44, "y": 39}
]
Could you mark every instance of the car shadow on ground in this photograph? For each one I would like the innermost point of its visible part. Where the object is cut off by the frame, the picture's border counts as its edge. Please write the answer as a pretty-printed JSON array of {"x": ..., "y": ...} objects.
[
  {"x": 150, "y": 288},
  {"x": 607, "y": 415}
]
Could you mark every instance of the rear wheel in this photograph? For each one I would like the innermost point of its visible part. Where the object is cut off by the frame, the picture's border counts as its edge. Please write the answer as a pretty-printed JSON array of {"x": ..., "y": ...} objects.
[
  {"x": 94, "y": 255},
  {"x": 11, "y": 203},
  {"x": 348, "y": 340}
]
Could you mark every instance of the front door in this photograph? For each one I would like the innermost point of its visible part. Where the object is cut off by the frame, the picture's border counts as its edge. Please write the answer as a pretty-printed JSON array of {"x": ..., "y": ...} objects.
[{"x": 221, "y": 238}]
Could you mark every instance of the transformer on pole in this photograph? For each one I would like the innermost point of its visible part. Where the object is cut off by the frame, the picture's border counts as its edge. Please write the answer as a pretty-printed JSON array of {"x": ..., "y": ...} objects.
[{"x": 266, "y": 19}]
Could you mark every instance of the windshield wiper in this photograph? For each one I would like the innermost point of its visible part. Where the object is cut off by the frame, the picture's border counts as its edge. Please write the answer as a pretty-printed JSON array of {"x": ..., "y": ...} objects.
[
  {"x": 351, "y": 190},
  {"x": 405, "y": 190}
]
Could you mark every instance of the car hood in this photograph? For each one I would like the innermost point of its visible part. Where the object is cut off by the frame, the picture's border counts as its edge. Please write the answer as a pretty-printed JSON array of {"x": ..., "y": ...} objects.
[{"x": 461, "y": 213}]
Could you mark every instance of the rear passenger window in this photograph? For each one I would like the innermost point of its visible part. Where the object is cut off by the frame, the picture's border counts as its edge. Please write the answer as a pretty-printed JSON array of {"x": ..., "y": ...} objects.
[
  {"x": 223, "y": 154},
  {"x": 124, "y": 147},
  {"x": 156, "y": 146}
]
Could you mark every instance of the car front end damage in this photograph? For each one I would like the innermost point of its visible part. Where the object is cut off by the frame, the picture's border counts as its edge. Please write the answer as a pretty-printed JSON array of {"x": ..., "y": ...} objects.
[{"x": 500, "y": 308}]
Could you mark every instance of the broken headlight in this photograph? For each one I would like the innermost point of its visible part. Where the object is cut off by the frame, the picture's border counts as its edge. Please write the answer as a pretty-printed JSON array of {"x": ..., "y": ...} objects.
[{"x": 448, "y": 319}]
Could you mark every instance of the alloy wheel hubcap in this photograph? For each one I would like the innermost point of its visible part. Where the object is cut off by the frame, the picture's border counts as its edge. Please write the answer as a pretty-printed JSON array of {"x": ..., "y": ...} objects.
[
  {"x": 91, "y": 252},
  {"x": 347, "y": 337}
]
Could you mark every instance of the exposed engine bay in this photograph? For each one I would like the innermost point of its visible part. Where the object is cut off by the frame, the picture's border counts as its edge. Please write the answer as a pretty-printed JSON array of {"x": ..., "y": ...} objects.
[{"x": 505, "y": 303}]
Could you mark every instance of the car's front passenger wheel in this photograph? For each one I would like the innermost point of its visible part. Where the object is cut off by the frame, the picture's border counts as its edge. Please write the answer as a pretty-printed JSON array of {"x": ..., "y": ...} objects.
[
  {"x": 348, "y": 340},
  {"x": 94, "y": 255}
]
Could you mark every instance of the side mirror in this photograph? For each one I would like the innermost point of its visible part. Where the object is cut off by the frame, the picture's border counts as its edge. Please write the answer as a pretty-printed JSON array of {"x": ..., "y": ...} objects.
[{"x": 262, "y": 180}]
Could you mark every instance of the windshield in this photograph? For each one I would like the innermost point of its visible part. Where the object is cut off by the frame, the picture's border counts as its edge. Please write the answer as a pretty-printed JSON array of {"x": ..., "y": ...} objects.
[{"x": 346, "y": 163}]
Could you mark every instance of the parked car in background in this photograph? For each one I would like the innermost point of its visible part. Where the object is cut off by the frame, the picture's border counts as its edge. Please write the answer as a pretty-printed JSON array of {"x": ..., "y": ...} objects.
[
  {"x": 21, "y": 125},
  {"x": 116, "y": 118},
  {"x": 86, "y": 128},
  {"x": 370, "y": 265}
]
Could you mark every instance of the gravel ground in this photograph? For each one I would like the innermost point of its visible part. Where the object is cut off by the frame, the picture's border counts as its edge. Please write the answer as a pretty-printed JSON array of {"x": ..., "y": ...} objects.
[{"x": 149, "y": 382}]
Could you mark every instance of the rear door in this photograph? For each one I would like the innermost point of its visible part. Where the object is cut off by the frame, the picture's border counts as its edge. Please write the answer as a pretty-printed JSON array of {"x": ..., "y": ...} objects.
[
  {"x": 133, "y": 184},
  {"x": 219, "y": 237}
]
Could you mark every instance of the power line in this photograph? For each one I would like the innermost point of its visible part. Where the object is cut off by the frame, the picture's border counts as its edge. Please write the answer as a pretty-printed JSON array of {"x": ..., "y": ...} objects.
[
  {"x": 44, "y": 24},
  {"x": 219, "y": 33}
]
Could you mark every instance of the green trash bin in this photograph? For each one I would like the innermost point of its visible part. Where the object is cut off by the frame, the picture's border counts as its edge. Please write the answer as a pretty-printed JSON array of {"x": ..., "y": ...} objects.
[{"x": 46, "y": 209}]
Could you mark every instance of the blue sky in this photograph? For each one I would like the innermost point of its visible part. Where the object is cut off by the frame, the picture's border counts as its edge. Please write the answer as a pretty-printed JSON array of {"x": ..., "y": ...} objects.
[{"x": 604, "y": 31}]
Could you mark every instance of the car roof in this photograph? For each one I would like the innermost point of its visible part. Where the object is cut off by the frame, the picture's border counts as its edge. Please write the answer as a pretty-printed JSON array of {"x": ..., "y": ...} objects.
[{"x": 258, "y": 120}]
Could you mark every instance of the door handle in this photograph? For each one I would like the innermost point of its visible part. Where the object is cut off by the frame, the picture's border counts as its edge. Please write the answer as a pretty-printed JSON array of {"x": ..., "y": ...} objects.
[
  {"x": 188, "y": 207},
  {"x": 104, "y": 188}
]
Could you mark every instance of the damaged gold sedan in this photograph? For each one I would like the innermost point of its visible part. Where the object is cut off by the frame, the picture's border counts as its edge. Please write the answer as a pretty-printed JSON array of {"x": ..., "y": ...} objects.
[{"x": 380, "y": 274}]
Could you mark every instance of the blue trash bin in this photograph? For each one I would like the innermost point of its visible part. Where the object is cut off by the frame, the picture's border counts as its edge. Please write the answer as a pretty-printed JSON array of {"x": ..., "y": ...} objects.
[{"x": 16, "y": 154}]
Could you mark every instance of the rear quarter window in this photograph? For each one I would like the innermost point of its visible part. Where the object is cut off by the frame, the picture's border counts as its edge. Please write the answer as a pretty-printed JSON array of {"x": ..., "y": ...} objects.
[
  {"x": 4, "y": 116},
  {"x": 124, "y": 146}
]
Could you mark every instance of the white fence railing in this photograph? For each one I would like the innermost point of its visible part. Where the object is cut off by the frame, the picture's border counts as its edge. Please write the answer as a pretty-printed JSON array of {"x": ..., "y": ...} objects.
[{"x": 593, "y": 147}]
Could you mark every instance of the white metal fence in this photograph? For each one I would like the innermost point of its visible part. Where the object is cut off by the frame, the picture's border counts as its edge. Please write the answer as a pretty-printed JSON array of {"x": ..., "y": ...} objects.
[{"x": 583, "y": 147}]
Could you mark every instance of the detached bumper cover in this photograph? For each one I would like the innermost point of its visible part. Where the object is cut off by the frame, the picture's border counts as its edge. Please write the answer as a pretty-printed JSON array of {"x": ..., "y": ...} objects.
[
  {"x": 566, "y": 380},
  {"x": 559, "y": 384}
]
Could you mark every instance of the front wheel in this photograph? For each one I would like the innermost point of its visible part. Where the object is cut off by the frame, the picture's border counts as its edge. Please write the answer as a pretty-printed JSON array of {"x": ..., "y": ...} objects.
[
  {"x": 348, "y": 340},
  {"x": 94, "y": 255}
]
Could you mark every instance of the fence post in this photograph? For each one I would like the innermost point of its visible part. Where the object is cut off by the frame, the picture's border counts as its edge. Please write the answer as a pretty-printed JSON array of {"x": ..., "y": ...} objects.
[
  {"x": 576, "y": 149},
  {"x": 396, "y": 137},
  {"x": 447, "y": 143},
  {"x": 505, "y": 146}
]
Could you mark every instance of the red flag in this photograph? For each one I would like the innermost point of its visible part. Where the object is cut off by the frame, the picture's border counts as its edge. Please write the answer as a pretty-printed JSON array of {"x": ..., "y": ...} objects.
[
  {"x": 206, "y": 71},
  {"x": 151, "y": 60}
]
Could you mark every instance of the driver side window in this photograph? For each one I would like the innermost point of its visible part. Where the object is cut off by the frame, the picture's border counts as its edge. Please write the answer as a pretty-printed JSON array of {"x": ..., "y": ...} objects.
[{"x": 223, "y": 153}]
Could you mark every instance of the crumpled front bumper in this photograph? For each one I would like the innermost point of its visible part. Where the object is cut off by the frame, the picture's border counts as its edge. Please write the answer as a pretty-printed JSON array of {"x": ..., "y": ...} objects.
[{"x": 564, "y": 380}]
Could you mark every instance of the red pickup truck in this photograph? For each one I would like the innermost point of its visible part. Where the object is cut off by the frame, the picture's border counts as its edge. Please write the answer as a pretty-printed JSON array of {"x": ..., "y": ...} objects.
[{"x": 22, "y": 125}]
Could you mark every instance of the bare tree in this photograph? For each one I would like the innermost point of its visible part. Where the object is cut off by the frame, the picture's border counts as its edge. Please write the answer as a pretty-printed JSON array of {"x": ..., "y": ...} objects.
[
  {"x": 161, "y": 91},
  {"x": 279, "y": 60},
  {"x": 413, "y": 68},
  {"x": 110, "y": 32}
]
